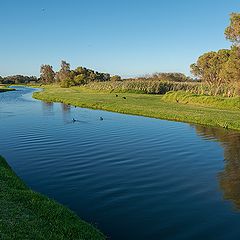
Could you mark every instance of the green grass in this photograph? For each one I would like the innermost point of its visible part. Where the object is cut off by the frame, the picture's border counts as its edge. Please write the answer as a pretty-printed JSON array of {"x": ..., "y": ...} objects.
[
  {"x": 232, "y": 103},
  {"x": 25, "y": 214},
  {"x": 5, "y": 88},
  {"x": 156, "y": 106}
]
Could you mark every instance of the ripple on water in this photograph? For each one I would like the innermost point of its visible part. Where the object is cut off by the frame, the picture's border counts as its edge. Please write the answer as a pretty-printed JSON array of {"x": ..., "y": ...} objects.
[{"x": 137, "y": 178}]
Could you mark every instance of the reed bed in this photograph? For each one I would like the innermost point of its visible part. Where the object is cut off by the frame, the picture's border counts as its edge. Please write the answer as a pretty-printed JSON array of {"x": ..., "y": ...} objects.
[
  {"x": 143, "y": 86},
  {"x": 161, "y": 87}
]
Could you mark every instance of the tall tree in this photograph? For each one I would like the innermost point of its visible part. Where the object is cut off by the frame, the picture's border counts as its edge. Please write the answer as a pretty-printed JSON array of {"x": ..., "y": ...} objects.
[
  {"x": 47, "y": 74},
  {"x": 64, "y": 75},
  {"x": 231, "y": 71},
  {"x": 232, "y": 32},
  {"x": 209, "y": 67}
]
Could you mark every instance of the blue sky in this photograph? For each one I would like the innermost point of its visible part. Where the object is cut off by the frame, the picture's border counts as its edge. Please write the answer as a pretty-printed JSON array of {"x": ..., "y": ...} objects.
[{"x": 122, "y": 37}]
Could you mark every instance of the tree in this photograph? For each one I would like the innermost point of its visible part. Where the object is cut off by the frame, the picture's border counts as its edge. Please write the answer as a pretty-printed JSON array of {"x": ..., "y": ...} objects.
[
  {"x": 116, "y": 78},
  {"x": 232, "y": 32},
  {"x": 64, "y": 75},
  {"x": 79, "y": 79},
  {"x": 209, "y": 68},
  {"x": 231, "y": 72},
  {"x": 47, "y": 74}
]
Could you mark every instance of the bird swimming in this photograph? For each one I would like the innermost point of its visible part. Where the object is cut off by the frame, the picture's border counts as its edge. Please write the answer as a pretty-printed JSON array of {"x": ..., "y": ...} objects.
[
  {"x": 101, "y": 118},
  {"x": 74, "y": 120}
]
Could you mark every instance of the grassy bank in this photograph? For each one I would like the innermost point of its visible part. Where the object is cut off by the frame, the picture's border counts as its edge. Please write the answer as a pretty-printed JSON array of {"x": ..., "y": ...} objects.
[
  {"x": 143, "y": 104},
  {"x": 25, "y": 214},
  {"x": 5, "y": 89},
  {"x": 219, "y": 102}
]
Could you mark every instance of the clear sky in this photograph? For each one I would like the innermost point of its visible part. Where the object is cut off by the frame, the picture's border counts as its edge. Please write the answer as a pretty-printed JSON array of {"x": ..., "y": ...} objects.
[{"x": 125, "y": 37}]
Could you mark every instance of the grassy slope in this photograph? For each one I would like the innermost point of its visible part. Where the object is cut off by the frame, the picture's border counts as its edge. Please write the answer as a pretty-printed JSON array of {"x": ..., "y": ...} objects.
[
  {"x": 232, "y": 103},
  {"x": 25, "y": 214},
  {"x": 143, "y": 104}
]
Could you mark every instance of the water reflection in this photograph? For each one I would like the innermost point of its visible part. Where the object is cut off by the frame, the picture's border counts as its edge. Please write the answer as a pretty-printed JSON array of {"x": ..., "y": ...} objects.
[
  {"x": 47, "y": 108},
  {"x": 66, "y": 109},
  {"x": 229, "y": 178}
]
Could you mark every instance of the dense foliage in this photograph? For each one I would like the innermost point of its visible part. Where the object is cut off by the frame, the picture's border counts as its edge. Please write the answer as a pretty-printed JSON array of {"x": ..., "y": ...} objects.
[
  {"x": 18, "y": 79},
  {"x": 221, "y": 69},
  {"x": 169, "y": 77},
  {"x": 79, "y": 76}
]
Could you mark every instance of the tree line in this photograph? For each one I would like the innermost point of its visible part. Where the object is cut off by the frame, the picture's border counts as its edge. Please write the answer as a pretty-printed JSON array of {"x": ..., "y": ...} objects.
[
  {"x": 79, "y": 76},
  {"x": 222, "y": 68},
  {"x": 18, "y": 79},
  {"x": 166, "y": 77}
]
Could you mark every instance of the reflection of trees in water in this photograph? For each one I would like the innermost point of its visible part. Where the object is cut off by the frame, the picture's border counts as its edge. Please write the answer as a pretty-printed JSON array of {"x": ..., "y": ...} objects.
[
  {"x": 47, "y": 108},
  {"x": 66, "y": 112},
  {"x": 229, "y": 178},
  {"x": 66, "y": 109}
]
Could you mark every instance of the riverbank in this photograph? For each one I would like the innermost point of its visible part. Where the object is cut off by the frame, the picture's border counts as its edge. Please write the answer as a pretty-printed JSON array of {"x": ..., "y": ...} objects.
[
  {"x": 145, "y": 105},
  {"x": 25, "y": 214},
  {"x": 6, "y": 89}
]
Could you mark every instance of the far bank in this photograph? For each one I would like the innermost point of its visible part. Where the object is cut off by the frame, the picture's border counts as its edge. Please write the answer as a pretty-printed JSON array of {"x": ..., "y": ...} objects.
[{"x": 210, "y": 111}]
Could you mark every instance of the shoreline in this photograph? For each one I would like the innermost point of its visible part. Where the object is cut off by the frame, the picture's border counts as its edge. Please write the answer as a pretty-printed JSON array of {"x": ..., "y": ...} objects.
[
  {"x": 26, "y": 214},
  {"x": 145, "y": 105},
  {"x": 6, "y": 89}
]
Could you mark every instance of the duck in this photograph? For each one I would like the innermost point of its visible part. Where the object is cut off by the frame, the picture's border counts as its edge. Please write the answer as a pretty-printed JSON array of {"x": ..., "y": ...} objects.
[{"x": 101, "y": 118}]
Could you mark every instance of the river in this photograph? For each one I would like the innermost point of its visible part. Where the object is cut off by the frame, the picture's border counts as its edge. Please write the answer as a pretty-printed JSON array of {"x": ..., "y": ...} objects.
[{"x": 133, "y": 177}]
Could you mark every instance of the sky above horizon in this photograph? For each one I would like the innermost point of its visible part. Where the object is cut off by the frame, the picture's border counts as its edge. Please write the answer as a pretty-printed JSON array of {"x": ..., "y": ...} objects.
[{"x": 128, "y": 38}]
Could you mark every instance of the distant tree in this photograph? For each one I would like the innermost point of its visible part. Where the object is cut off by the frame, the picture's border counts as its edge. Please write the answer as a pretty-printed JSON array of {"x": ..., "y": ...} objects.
[
  {"x": 47, "y": 75},
  {"x": 66, "y": 83},
  {"x": 19, "y": 79},
  {"x": 64, "y": 75},
  {"x": 172, "y": 77},
  {"x": 116, "y": 78},
  {"x": 232, "y": 32},
  {"x": 79, "y": 79}
]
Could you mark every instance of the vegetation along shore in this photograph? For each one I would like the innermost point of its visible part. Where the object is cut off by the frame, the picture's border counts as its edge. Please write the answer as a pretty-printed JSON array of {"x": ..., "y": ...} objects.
[
  {"x": 178, "y": 106},
  {"x": 5, "y": 88},
  {"x": 212, "y": 98},
  {"x": 29, "y": 215}
]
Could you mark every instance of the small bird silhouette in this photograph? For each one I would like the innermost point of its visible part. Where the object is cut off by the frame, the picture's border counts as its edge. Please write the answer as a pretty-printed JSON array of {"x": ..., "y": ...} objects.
[{"x": 124, "y": 98}]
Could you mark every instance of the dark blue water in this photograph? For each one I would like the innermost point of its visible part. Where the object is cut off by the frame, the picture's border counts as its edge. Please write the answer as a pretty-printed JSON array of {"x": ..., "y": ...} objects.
[{"x": 132, "y": 177}]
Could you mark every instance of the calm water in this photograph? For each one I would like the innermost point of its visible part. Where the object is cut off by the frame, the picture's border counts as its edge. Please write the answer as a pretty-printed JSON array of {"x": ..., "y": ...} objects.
[{"x": 133, "y": 177}]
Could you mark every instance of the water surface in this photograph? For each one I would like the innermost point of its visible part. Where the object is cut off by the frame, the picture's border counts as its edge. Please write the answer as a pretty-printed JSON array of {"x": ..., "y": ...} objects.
[{"x": 132, "y": 177}]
